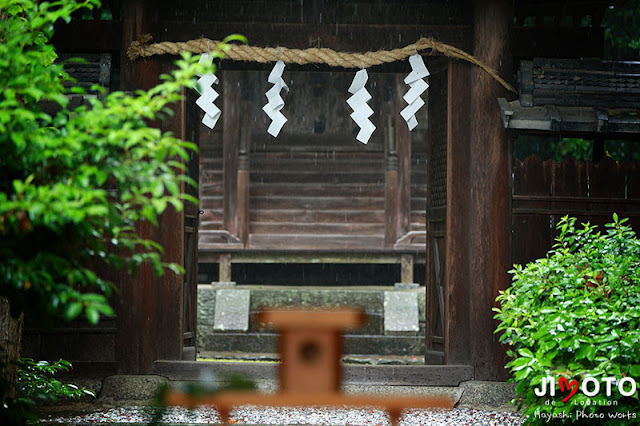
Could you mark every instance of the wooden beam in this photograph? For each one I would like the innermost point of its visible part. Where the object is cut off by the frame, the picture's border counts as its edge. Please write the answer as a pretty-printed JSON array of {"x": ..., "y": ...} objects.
[
  {"x": 341, "y": 37},
  {"x": 88, "y": 36},
  {"x": 489, "y": 164}
]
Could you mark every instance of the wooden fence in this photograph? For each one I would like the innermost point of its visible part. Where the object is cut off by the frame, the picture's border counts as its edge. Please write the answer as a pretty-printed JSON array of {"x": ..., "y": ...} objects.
[{"x": 545, "y": 191}]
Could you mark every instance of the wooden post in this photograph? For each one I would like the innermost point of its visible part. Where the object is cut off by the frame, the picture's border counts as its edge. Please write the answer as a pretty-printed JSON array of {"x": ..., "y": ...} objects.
[
  {"x": 149, "y": 308},
  {"x": 243, "y": 186},
  {"x": 230, "y": 141},
  {"x": 406, "y": 268},
  {"x": 397, "y": 168},
  {"x": 489, "y": 160},
  {"x": 390, "y": 187},
  {"x": 402, "y": 137},
  {"x": 224, "y": 273}
]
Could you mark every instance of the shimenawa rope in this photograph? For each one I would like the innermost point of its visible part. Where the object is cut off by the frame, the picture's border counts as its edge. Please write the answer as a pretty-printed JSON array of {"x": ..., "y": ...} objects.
[{"x": 243, "y": 52}]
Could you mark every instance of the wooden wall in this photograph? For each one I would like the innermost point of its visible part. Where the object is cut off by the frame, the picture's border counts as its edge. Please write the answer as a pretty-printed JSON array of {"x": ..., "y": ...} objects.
[
  {"x": 545, "y": 191},
  {"x": 314, "y": 187}
]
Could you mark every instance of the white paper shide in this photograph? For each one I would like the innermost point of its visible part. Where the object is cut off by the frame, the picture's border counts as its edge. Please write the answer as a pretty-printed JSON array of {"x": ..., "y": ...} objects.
[
  {"x": 275, "y": 103},
  {"x": 417, "y": 86},
  {"x": 207, "y": 95},
  {"x": 361, "y": 110}
]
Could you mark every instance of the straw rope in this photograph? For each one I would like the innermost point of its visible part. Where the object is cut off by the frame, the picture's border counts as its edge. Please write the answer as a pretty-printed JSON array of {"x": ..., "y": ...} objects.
[{"x": 243, "y": 52}]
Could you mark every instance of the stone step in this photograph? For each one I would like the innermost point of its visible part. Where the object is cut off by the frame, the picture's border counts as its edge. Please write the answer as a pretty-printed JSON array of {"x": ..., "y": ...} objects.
[
  {"x": 226, "y": 317},
  {"x": 353, "y": 359}
]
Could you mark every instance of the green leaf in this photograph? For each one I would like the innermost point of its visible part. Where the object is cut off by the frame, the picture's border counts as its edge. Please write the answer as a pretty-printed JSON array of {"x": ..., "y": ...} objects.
[
  {"x": 525, "y": 353},
  {"x": 93, "y": 316},
  {"x": 72, "y": 310},
  {"x": 586, "y": 351}
]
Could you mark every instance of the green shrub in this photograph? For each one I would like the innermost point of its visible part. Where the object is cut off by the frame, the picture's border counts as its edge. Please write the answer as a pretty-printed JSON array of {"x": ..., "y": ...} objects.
[
  {"x": 36, "y": 381},
  {"x": 37, "y": 385},
  {"x": 575, "y": 315}
]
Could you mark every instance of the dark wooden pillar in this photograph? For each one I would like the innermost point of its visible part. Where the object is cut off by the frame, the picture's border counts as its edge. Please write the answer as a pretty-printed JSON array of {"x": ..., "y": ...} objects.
[
  {"x": 489, "y": 165},
  {"x": 403, "y": 146},
  {"x": 243, "y": 184},
  {"x": 397, "y": 166},
  {"x": 457, "y": 257},
  {"x": 391, "y": 195},
  {"x": 149, "y": 308},
  {"x": 230, "y": 143}
]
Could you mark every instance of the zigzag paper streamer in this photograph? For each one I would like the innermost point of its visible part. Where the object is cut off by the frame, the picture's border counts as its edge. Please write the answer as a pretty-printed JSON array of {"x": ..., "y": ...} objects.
[
  {"x": 274, "y": 101},
  {"x": 417, "y": 86},
  {"x": 208, "y": 95},
  {"x": 361, "y": 110}
]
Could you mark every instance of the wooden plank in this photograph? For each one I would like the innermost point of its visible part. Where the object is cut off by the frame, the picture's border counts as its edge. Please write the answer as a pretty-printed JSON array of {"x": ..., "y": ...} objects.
[
  {"x": 310, "y": 176},
  {"x": 633, "y": 182},
  {"x": 532, "y": 237},
  {"x": 320, "y": 216},
  {"x": 531, "y": 177},
  {"x": 316, "y": 257},
  {"x": 315, "y": 242},
  {"x": 311, "y": 162},
  {"x": 316, "y": 228},
  {"x": 606, "y": 179},
  {"x": 569, "y": 178},
  {"x": 317, "y": 202},
  {"x": 343, "y": 189}
]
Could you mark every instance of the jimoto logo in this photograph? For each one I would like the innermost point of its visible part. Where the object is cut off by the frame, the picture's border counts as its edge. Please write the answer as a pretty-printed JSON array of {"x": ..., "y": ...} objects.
[{"x": 589, "y": 386}]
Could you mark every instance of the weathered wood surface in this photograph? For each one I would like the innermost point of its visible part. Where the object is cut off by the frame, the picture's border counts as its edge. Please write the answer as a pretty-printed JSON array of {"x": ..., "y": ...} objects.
[
  {"x": 315, "y": 186},
  {"x": 579, "y": 83},
  {"x": 436, "y": 186},
  {"x": 489, "y": 239},
  {"x": 457, "y": 256},
  {"x": 345, "y": 26},
  {"x": 149, "y": 309},
  {"x": 545, "y": 191}
]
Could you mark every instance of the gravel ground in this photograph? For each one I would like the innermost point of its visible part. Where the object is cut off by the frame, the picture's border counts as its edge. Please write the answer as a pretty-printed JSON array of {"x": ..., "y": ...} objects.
[{"x": 296, "y": 416}]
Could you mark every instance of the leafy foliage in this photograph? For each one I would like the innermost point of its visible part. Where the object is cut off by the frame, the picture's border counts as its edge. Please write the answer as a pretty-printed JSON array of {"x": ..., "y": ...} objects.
[
  {"x": 575, "y": 314},
  {"x": 76, "y": 182},
  {"x": 36, "y": 381},
  {"x": 37, "y": 384},
  {"x": 622, "y": 29}
]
